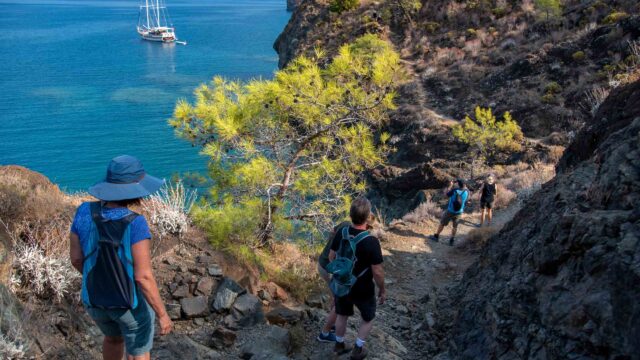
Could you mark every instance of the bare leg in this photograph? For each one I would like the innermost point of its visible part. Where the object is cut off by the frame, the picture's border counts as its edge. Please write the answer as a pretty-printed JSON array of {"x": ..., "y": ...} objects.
[
  {"x": 330, "y": 320},
  {"x": 490, "y": 215},
  {"x": 341, "y": 325},
  {"x": 482, "y": 216},
  {"x": 146, "y": 356},
  {"x": 364, "y": 330},
  {"x": 440, "y": 228},
  {"x": 113, "y": 348},
  {"x": 454, "y": 229}
]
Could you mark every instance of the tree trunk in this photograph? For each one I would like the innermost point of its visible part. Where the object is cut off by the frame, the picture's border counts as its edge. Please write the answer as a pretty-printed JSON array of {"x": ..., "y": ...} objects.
[{"x": 266, "y": 231}]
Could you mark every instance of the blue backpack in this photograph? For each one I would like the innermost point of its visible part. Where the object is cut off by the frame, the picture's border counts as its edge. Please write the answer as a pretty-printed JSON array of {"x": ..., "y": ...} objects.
[
  {"x": 341, "y": 268},
  {"x": 107, "y": 272}
]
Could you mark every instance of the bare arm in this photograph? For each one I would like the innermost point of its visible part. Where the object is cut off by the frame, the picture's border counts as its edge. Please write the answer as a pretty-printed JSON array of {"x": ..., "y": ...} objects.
[
  {"x": 378, "y": 277},
  {"x": 332, "y": 255},
  {"x": 144, "y": 278},
  {"x": 75, "y": 252}
]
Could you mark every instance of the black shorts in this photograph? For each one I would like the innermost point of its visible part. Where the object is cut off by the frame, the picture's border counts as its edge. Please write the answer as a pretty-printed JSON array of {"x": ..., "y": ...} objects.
[
  {"x": 486, "y": 204},
  {"x": 367, "y": 307}
]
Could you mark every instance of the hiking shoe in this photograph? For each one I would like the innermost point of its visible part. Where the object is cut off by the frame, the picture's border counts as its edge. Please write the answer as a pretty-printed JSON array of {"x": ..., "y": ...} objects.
[
  {"x": 451, "y": 242},
  {"x": 341, "y": 348},
  {"x": 435, "y": 237},
  {"x": 331, "y": 337},
  {"x": 358, "y": 353}
]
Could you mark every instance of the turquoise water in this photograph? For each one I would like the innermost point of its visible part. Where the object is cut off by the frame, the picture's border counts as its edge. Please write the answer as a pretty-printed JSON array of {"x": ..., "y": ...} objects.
[{"x": 79, "y": 87}]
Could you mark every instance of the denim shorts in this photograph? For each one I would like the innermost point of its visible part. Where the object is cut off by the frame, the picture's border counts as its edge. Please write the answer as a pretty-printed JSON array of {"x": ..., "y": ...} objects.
[{"x": 135, "y": 326}]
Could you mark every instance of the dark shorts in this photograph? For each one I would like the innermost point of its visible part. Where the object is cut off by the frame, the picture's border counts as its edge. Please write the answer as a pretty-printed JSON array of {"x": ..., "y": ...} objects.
[
  {"x": 448, "y": 217},
  {"x": 486, "y": 204},
  {"x": 367, "y": 307},
  {"x": 135, "y": 326}
]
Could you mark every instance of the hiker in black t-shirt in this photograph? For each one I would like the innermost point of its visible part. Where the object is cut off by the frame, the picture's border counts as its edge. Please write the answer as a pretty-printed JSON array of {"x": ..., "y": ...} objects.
[
  {"x": 368, "y": 268},
  {"x": 489, "y": 195}
]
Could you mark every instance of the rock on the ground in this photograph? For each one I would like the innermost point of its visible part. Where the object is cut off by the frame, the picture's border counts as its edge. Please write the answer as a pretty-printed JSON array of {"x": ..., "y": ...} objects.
[
  {"x": 277, "y": 292},
  {"x": 223, "y": 338},
  {"x": 282, "y": 315},
  {"x": 179, "y": 346},
  {"x": 226, "y": 295},
  {"x": 215, "y": 270},
  {"x": 195, "y": 307},
  {"x": 181, "y": 291},
  {"x": 174, "y": 311},
  {"x": 247, "y": 310},
  {"x": 273, "y": 345},
  {"x": 205, "y": 286}
]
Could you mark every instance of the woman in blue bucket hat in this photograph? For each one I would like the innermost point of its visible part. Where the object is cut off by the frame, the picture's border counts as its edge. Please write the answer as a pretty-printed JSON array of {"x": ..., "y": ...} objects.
[{"x": 110, "y": 246}]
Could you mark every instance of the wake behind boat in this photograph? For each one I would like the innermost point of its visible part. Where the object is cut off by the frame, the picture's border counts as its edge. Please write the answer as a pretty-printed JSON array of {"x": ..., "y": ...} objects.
[{"x": 153, "y": 24}]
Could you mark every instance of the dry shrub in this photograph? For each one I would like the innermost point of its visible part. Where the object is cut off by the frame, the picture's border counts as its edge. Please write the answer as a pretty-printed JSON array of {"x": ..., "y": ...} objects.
[
  {"x": 289, "y": 266},
  {"x": 169, "y": 209},
  {"x": 427, "y": 210},
  {"x": 554, "y": 154},
  {"x": 477, "y": 238},
  {"x": 36, "y": 271},
  {"x": 45, "y": 276},
  {"x": 11, "y": 349},
  {"x": 526, "y": 181},
  {"x": 505, "y": 198}
]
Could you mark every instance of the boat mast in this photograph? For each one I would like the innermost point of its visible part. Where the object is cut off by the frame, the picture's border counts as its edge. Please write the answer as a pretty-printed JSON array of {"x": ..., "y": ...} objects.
[
  {"x": 158, "y": 11},
  {"x": 147, "y": 3}
]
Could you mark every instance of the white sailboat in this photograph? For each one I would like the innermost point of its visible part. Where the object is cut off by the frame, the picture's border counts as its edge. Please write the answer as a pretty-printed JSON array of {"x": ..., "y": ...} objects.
[{"x": 153, "y": 24}]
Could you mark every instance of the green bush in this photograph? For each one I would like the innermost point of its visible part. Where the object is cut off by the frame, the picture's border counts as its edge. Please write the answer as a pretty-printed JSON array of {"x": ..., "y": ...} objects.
[
  {"x": 340, "y": 6},
  {"x": 488, "y": 136},
  {"x": 614, "y": 17},
  {"x": 499, "y": 12},
  {"x": 553, "y": 88},
  {"x": 578, "y": 56},
  {"x": 549, "y": 98},
  {"x": 431, "y": 27}
]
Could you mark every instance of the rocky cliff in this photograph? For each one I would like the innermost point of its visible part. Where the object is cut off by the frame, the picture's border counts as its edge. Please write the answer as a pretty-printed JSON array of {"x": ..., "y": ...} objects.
[
  {"x": 460, "y": 54},
  {"x": 562, "y": 279}
]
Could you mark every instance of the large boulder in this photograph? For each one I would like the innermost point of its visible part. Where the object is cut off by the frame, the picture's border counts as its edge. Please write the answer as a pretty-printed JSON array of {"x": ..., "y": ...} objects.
[
  {"x": 562, "y": 279},
  {"x": 195, "y": 306},
  {"x": 226, "y": 295},
  {"x": 247, "y": 310},
  {"x": 273, "y": 345}
]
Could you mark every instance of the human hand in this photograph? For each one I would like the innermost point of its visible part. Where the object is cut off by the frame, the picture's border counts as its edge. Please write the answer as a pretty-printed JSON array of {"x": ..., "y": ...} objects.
[
  {"x": 166, "y": 325},
  {"x": 382, "y": 296}
]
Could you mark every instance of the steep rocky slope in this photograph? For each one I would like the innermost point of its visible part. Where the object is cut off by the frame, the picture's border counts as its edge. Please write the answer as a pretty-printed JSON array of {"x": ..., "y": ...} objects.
[
  {"x": 459, "y": 54},
  {"x": 562, "y": 279}
]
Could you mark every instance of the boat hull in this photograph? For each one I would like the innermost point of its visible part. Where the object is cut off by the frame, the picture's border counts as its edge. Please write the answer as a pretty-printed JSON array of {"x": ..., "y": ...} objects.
[{"x": 165, "y": 37}]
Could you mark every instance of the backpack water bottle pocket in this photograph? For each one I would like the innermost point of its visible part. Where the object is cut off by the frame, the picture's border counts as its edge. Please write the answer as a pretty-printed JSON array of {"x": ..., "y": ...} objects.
[
  {"x": 340, "y": 267},
  {"x": 342, "y": 288}
]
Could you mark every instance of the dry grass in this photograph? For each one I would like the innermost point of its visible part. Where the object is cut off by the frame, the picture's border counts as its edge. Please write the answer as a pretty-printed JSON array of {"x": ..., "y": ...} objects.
[
  {"x": 477, "y": 238},
  {"x": 293, "y": 268},
  {"x": 11, "y": 349},
  {"x": 428, "y": 210}
]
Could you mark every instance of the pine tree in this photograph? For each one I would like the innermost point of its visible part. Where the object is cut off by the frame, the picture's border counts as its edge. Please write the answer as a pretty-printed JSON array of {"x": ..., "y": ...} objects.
[
  {"x": 551, "y": 8},
  {"x": 294, "y": 148},
  {"x": 486, "y": 136}
]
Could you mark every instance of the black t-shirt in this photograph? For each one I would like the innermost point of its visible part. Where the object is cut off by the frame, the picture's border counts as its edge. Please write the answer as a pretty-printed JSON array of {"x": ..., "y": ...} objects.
[
  {"x": 488, "y": 192},
  {"x": 368, "y": 252}
]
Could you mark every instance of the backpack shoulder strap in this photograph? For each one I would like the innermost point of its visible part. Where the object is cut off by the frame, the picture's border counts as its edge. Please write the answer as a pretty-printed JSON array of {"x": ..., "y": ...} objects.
[{"x": 344, "y": 236}]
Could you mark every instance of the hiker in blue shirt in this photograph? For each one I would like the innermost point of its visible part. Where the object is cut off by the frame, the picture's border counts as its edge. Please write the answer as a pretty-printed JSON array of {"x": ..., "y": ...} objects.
[
  {"x": 110, "y": 246},
  {"x": 457, "y": 201}
]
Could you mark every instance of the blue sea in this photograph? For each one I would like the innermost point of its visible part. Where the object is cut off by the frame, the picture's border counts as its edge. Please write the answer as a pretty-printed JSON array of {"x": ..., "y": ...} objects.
[{"x": 79, "y": 86}]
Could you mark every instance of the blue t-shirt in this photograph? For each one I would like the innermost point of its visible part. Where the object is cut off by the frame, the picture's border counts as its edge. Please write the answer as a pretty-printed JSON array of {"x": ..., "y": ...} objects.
[
  {"x": 81, "y": 225},
  {"x": 464, "y": 194}
]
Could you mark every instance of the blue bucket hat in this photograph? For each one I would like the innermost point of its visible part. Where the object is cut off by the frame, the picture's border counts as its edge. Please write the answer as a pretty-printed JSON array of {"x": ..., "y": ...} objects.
[{"x": 126, "y": 179}]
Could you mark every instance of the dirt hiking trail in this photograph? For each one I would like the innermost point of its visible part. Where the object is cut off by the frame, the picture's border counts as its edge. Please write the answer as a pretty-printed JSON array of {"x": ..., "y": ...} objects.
[{"x": 418, "y": 270}]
